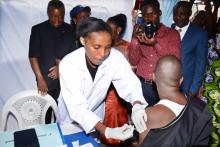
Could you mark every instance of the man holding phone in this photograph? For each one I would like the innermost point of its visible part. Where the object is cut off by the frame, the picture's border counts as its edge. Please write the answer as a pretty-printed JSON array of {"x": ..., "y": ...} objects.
[{"x": 151, "y": 40}]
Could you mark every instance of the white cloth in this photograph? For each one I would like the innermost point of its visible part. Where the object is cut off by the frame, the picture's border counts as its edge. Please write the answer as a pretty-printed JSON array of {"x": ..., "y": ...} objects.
[
  {"x": 176, "y": 108},
  {"x": 84, "y": 98},
  {"x": 183, "y": 30}
]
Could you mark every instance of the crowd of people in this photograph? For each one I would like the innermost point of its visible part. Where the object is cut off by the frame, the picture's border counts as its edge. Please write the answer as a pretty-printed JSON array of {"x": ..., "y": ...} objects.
[{"x": 149, "y": 91}]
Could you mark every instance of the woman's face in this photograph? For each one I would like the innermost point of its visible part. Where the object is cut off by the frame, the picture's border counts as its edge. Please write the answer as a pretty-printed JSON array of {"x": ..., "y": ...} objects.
[
  {"x": 82, "y": 15},
  {"x": 97, "y": 46}
]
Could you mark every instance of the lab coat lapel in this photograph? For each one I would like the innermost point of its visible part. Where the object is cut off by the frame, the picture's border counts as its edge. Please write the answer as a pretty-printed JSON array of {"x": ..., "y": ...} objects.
[
  {"x": 101, "y": 71},
  {"x": 99, "y": 74},
  {"x": 87, "y": 79}
]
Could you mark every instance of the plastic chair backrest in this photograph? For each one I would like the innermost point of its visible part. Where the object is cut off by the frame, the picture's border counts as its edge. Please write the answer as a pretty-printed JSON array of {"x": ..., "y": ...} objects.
[{"x": 29, "y": 109}]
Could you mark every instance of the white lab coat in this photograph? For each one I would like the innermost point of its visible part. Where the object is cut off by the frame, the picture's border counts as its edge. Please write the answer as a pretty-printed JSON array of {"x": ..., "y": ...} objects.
[{"x": 83, "y": 97}]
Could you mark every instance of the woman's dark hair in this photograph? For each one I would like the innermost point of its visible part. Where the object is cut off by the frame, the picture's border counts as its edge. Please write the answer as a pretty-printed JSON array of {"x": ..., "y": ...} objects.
[
  {"x": 91, "y": 24},
  {"x": 153, "y": 3},
  {"x": 120, "y": 20},
  {"x": 55, "y": 4}
]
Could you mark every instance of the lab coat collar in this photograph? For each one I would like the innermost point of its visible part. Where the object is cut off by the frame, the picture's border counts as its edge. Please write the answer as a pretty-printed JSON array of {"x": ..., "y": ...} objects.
[{"x": 101, "y": 69}]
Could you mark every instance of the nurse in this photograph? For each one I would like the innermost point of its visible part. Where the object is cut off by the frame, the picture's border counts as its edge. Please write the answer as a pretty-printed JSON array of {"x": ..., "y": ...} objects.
[{"x": 85, "y": 77}]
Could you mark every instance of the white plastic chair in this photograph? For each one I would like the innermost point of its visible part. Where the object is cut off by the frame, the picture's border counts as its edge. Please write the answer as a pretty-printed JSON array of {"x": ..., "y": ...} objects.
[{"x": 29, "y": 109}]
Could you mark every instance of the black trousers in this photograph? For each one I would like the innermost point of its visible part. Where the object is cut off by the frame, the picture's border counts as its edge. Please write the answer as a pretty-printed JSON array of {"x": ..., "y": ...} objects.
[
  {"x": 55, "y": 94},
  {"x": 149, "y": 91}
]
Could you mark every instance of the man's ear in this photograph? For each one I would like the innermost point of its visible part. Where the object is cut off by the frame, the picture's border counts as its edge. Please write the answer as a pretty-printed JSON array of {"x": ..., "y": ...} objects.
[
  {"x": 181, "y": 80},
  {"x": 74, "y": 20},
  {"x": 82, "y": 40}
]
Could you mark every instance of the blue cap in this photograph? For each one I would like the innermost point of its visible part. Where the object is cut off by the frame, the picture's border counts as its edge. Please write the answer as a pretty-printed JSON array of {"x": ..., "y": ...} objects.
[{"x": 77, "y": 9}]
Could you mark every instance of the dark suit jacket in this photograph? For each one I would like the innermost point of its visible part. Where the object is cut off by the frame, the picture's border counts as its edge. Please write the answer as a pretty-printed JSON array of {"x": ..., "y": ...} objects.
[
  {"x": 194, "y": 50},
  {"x": 45, "y": 43}
]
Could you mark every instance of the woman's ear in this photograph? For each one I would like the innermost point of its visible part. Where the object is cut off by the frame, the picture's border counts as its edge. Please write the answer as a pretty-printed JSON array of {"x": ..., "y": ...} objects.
[
  {"x": 119, "y": 30},
  {"x": 82, "y": 40}
]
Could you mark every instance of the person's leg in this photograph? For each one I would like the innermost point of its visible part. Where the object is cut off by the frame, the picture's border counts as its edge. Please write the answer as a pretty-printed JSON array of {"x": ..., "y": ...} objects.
[{"x": 55, "y": 94}]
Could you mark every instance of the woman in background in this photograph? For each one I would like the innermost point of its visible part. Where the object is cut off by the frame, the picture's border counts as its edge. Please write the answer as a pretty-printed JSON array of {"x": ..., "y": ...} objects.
[{"x": 118, "y": 25}]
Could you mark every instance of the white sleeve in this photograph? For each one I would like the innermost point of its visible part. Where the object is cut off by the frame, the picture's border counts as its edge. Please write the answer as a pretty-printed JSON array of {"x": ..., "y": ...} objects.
[
  {"x": 127, "y": 83},
  {"x": 76, "y": 104}
]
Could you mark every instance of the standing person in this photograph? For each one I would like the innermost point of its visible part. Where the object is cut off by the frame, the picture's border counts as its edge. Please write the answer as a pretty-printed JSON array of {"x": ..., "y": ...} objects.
[
  {"x": 86, "y": 75},
  {"x": 194, "y": 48},
  {"x": 77, "y": 14},
  {"x": 175, "y": 120},
  {"x": 43, "y": 47},
  {"x": 145, "y": 51},
  {"x": 116, "y": 113}
]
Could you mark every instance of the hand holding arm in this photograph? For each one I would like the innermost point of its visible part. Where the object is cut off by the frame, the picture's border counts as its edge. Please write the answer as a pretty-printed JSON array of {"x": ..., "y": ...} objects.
[
  {"x": 53, "y": 72},
  {"x": 139, "y": 117},
  {"x": 120, "y": 133}
]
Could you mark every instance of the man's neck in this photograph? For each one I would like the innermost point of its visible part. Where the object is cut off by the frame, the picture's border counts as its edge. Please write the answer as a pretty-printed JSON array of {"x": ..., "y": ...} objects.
[
  {"x": 183, "y": 26},
  {"x": 173, "y": 95}
]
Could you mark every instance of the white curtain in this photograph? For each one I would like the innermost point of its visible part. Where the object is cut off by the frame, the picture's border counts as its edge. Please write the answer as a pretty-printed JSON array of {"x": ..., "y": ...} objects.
[{"x": 167, "y": 11}]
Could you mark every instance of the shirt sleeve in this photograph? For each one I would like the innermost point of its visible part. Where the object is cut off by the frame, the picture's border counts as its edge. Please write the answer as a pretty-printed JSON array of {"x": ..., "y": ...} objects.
[
  {"x": 34, "y": 43},
  {"x": 76, "y": 103},
  {"x": 134, "y": 52},
  {"x": 200, "y": 62},
  {"x": 126, "y": 82},
  {"x": 170, "y": 45}
]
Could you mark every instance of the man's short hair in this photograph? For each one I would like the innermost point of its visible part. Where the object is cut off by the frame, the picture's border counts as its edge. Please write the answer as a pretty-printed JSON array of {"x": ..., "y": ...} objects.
[
  {"x": 153, "y": 3},
  {"x": 55, "y": 4},
  {"x": 183, "y": 4}
]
